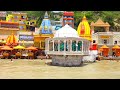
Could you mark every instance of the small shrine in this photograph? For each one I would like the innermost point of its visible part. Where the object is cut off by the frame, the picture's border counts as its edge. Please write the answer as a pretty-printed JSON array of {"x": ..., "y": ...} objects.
[
  {"x": 45, "y": 27},
  {"x": 45, "y": 31}
]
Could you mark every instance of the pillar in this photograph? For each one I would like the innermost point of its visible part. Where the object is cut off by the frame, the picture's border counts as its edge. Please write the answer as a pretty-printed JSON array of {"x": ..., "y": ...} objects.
[
  {"x": 58, "y": 45},
  {"x": 76, "y": 45},
  {"x": 82, "y": 45},
  {"x": 64, "y": 45},
  {"x": 53, "y": 45},
  {"x": 48, "y": 45},
  {"x": 70, "y": 45},
  {"x": 107, "y": 29},
  {"x": 92, "y": 27},
  {"x": 85, "y": 46}
]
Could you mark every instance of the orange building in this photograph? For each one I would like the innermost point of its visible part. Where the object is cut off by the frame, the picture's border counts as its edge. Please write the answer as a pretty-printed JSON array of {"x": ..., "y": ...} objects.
[{"x": 7, "y": 27}]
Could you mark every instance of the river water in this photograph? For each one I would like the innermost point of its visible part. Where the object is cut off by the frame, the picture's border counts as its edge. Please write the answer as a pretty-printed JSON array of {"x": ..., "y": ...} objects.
[{"x": 37, "y": 69}]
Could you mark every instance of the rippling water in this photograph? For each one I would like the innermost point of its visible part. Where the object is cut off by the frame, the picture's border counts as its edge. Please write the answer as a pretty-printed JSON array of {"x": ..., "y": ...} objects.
[
  {"x": 104, "y": 69},
  {"x": 37, "y": 69}
]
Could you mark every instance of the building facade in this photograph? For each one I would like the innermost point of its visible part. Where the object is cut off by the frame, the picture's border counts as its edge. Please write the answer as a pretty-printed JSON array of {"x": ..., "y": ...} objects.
[{"x": 68, "y": 18}]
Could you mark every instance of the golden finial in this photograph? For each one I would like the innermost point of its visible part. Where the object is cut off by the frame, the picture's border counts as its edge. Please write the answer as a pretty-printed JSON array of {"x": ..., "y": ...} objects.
[{"x": 84, "y": 18}]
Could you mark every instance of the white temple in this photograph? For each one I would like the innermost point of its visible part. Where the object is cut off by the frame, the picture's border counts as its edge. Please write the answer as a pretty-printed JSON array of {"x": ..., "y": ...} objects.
[
  {"x": 66, "y": 31},
  {"x": 66, "y": 47}
]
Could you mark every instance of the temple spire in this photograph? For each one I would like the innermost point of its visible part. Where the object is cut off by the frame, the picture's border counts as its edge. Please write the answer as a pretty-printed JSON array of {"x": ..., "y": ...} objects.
[
  {"x": 84, "y": 18},
  {"x": 46, "y": 15}
]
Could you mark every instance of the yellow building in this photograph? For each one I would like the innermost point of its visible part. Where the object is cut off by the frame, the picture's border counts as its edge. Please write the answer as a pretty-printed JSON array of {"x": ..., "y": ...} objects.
[
  {"x": 39, "y": 40},
  {"x": 18, "y": 17}
]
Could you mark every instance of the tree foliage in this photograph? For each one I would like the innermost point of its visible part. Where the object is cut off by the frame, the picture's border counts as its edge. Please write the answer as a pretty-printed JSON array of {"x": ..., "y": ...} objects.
[{"x": 111, "y": 17}]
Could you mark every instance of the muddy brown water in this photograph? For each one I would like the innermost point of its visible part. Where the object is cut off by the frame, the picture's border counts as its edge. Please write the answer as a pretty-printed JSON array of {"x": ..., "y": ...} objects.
[{"x": 37, "y": 69}]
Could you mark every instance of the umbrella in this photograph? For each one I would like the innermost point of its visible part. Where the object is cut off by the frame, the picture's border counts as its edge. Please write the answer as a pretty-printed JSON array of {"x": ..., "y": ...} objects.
[
  {"x": 6, "y": 48},
  {"x": 2, "y": 41},
  {"x": 104, "y": 46},
  {"x": 116, "y": 47},
  {"x": 19, "y": 47},
  {"x": 31, "y": 48},
  {"x": 12, "y": 40}
]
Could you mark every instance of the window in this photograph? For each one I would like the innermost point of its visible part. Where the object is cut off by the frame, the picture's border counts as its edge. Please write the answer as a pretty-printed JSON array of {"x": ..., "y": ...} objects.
[
  {"x": 58, "y": 27},
  {"x": 21, "y": 27},
  {"x": 23, "y": 17},
  {"x": 32, "y": 28},
  {"x": 42, "y": 44},
  {"x": 105, "y": 41},
  {"x": 115, "y": 42}
]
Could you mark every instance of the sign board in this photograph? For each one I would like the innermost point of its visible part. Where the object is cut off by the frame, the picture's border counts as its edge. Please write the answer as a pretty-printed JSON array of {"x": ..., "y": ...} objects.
[
  {"x": 105, "y": 37},
  {"x": 26, "y": 37}
]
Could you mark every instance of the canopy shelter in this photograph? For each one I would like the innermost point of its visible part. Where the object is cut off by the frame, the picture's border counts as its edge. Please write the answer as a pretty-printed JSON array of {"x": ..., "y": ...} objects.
[
  {"x": 116, "y": 49},
  {"x": 6, "y": 48},
  {"x": 19, "y": 47},
  {"x": 105, "y": 50},
  {"x": 12, "y": 40},
  {"x": 2, "y": 41},
  {"x": 31, "y": 48}
]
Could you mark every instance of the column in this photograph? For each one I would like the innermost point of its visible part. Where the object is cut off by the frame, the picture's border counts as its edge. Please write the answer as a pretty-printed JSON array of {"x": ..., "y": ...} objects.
[
  {"x": 87, "y": 46},
  {"x": 82, "y": 45},
  {"x": 70, "y": 45},
  {"x": 92, "y": 27},
  {"x": 53, "y": 45},
  {"x": 107, "y": 29},
  {"x": 48, "y": 45},
  {"x": 76, "y": 45},
  {"x": 64, "y": 45},
  {"x": 58, "y": 45}
]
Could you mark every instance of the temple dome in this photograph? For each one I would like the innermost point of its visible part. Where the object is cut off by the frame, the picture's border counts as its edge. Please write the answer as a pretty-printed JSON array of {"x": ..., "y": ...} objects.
[{"x": 66, "y": 31}]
